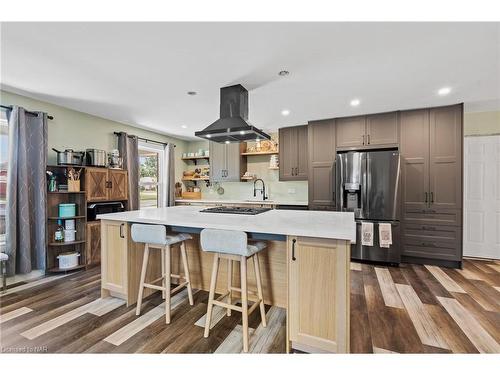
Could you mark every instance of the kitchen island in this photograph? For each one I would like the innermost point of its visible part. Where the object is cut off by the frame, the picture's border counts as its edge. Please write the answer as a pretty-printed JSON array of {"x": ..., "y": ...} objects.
[{"x": 305, "y": 267}]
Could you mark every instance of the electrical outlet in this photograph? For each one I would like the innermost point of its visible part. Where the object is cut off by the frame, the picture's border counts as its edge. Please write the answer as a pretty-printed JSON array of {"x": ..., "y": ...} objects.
[{"x": 291, "y": 191}]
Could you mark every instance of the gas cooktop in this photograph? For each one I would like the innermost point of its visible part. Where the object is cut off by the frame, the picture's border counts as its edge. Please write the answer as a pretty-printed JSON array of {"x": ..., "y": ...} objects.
[{"x": 236, "y": 210}]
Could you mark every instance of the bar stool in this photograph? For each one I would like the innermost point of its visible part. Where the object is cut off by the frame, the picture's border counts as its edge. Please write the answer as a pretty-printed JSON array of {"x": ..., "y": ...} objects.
[
  {"x": 233, "y": 245},
  {"x": 155, "y": 236},
  {"x": 3, "y": 264}
]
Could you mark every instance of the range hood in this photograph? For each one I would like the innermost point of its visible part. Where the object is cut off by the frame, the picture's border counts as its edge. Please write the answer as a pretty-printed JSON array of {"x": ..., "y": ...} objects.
[{"x": 232, "y": 125}]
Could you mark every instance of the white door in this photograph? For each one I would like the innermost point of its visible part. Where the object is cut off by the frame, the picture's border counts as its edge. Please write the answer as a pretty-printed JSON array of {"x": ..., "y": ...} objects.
[{"x": 482, "y": 196}]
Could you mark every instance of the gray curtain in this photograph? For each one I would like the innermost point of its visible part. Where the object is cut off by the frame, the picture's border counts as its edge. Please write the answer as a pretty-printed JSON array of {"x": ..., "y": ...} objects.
[
  {"x": 26, "y": 191},
  {"x": 168, "y": 185},
  {"x": 128, "y": 145}
]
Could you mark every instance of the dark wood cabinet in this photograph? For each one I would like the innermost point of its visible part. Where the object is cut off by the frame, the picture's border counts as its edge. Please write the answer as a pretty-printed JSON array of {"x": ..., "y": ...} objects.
[
  {"x": 226, "y": 162},
  {"x": 379, "y": 130},
  {"x": 102, "y": 184},
  {"x": 293, "y": 146},
  {"x": 431, "y": 171},
  {"x": 93, "y": 248},
  {"x": 321, "y": 136}
]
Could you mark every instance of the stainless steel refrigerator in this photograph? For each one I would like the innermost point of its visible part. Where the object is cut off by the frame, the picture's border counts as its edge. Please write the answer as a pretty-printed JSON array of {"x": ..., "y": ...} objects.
[{"x": 368, "y": 183}]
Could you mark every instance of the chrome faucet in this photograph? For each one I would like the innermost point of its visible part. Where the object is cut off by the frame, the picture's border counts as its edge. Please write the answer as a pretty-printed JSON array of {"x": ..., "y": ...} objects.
[{"x": 262, "y": 191}]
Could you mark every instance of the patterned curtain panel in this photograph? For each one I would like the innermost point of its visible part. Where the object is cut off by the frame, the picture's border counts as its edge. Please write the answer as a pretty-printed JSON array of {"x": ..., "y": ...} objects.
[
  {"x": 128, "y": 145},
  {"x": 26, "y": 191},
  {"x": 168, "y": 185}
]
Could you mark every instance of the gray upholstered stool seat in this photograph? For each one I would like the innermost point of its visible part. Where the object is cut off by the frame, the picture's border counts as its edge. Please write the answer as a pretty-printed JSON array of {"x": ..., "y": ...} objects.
[
  {"x": 156, "y": 237},
  {"x": 233, "y": 246},
  {"x": 156, "y": 234},
  {"x": 3, "y": 259},
  {"x": 229, "y": 242}
]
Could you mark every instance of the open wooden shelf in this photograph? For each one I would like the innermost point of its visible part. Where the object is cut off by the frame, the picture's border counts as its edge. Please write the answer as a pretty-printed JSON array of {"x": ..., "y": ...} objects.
[
  {"x": 57, "y": 269},
  {"x": 66, "y": 217},
  {"x": 196, "y": 179},
  {"x": 195, "y": 157},
  {"x": 68, "y": 243},
  {"x": 66, "y": 192},
  {"x": 260, "y": 153}
]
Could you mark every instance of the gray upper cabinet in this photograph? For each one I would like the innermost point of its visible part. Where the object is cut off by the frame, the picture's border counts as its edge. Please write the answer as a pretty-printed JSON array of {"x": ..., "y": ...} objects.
[
  {"x": 226, "y": 162},
  {"x": 321, "y": 135},
  {"x": 382, "y": 129},
  {"x": 379, "y": 130},
  {"x": 293, "y": 143},
  {"x": 351, "y": 132}
]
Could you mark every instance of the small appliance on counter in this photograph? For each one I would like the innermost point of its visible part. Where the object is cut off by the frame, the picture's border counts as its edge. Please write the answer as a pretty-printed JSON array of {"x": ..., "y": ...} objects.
[
  {"x": 114, "y": 159},
  {"x": 69, "y": 157},
  {"x": 95, "y": 157},
  {"x": 95, "y": 209}
]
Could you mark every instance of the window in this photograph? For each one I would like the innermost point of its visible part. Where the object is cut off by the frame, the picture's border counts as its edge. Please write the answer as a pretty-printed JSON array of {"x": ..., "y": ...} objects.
[
  {"x": 4, "y": 158},
  {"x": 150, "y": 174}
]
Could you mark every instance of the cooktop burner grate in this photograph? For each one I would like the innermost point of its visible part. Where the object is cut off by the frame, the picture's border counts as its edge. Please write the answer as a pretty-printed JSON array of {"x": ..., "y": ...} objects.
[{"x": 236, "y": 210}]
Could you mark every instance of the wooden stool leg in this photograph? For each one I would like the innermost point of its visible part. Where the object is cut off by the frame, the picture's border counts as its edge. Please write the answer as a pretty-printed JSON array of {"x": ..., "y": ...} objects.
[
  {"x": 163, "y": 274},
  {"x": 211, "y": 295},
  {"x": 186, "y": 272},
  {"x": 145, "y": 259},
  {"x": 168, "y": 272},
  {"x": 244, "y": 302},
  {"x": 229, "y": 284},
  {"x": 259, "y": 289}
]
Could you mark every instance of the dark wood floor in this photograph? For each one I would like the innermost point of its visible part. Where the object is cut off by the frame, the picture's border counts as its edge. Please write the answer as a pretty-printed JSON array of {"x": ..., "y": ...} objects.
[{"x": 410, "y": 309}]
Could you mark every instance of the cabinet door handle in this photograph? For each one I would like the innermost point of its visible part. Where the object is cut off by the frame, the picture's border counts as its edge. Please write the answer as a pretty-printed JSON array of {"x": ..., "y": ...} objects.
[
  {"x": 425, "y": 197},
  {"x": 363, "y": 138},
  {"x": 293, "y": 249},
  {"x": 432, "y": 197},
  {"x": 368, "y": 137},
  {"x": 292, "y": 171},
  {"x": 121, "y": 230},
  {"x": 296, "y": 171}
]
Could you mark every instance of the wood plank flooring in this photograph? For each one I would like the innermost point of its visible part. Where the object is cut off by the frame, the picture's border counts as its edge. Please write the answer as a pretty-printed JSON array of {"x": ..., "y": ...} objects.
[{"x": 410, "y": 309}]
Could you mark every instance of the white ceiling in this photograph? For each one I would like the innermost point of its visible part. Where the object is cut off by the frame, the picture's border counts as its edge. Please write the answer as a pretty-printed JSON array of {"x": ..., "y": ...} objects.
[{"x": 139, "y": 73}]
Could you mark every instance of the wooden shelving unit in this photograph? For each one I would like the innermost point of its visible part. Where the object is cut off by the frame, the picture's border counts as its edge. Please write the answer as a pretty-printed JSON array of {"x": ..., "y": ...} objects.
[
  {"x": 260, "y": 153},
  {"x": 52, "y": 216},
  {"x": 196, "y": 179}
]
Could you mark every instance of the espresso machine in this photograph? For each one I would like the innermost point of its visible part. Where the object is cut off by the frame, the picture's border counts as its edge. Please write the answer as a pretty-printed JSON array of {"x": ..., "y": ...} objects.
[{"x": 368, "y": 184}]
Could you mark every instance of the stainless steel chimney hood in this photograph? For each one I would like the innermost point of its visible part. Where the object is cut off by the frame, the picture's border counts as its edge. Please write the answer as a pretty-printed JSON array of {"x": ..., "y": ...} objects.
[{"x": 232, "y": 125}]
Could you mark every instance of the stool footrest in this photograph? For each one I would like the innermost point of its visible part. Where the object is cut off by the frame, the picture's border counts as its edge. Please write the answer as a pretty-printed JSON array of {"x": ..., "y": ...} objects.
[
  {"x": 253, "y": 307},
  {"x": 157, "y": 287},
  {"x": 234, "y": 289},
  {"x": 227, "y": 305},
  {"x": 178, "y": 287}
]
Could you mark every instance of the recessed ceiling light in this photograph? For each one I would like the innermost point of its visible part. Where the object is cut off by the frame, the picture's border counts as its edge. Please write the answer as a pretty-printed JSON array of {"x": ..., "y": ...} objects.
[
  {"x": 243, "y": 132},
  {"x": 283, "y": 73},
  {"x": 285, "y": 112},
  {"x": 184, "y": 126},
  {"x": 209, "y": 136},
  {"x": 444, "y": 91},
  {"x": 192, "y": 93},
  {"x": 355, "y": 102},
  {"x": 227, "y": 142}
]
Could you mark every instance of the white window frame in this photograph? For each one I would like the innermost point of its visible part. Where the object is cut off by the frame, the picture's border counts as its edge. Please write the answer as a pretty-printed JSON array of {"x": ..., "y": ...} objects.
[{"x": 159, "y": 149}]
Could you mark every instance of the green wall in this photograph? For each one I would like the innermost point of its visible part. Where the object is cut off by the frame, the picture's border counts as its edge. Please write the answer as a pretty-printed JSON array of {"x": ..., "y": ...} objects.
[
  {"x": 78, "y": 130},
  {"x": 482, "y": 123}
]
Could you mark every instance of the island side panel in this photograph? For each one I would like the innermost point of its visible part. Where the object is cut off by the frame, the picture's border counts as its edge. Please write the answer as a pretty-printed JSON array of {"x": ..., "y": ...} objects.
[
  {"x": 272, "y": 262},
  {"x": 318, "y": 284}
]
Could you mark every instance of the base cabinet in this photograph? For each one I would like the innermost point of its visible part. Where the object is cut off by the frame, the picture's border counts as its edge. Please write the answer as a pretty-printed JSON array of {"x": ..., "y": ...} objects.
[
  {"x": 114, "y": 259},
  {"x": 93, "y": 249},
  {"x": 318, "y": 294}
]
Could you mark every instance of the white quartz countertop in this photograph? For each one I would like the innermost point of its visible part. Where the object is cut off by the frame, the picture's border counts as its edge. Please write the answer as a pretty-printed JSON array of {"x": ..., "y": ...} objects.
[
  {"x": 321, "y": 224},
  {"x": 244, "y": 201}
]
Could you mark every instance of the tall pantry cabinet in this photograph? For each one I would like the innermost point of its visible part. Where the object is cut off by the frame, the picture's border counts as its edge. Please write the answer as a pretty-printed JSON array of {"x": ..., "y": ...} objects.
[{"x": 431, "y": 149}]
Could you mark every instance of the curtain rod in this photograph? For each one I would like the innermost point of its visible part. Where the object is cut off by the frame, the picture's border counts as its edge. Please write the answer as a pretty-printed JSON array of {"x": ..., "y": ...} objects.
[
  {"x": 145, "y": 139},
  {"x": 9, "y": 107}
]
